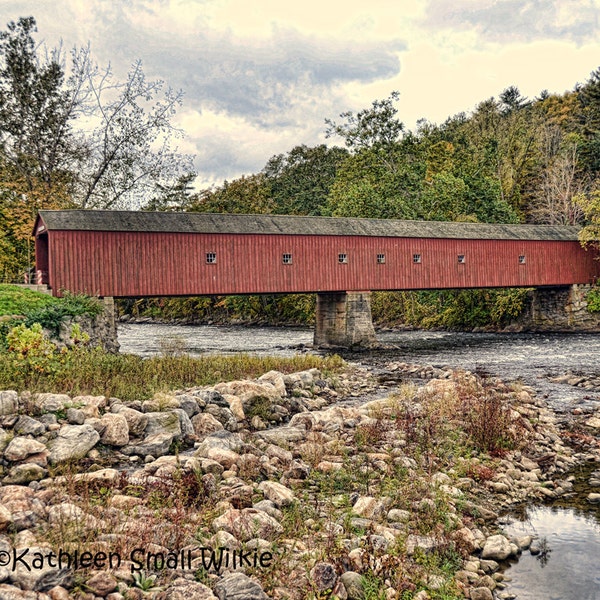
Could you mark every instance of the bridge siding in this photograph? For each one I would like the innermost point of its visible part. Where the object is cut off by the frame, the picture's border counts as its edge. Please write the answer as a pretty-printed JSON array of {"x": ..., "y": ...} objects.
[{"x": 155, "y": 264}]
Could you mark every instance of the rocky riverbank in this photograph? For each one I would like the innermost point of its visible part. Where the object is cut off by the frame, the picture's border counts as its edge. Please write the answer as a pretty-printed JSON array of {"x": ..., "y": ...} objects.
[{"x": 289, "y": 486}]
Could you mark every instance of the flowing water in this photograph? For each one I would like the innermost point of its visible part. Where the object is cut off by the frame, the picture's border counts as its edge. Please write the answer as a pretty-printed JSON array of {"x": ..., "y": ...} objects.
[
  {"x": 569, "y": 571},
  {"x": 529, "y": 357}
]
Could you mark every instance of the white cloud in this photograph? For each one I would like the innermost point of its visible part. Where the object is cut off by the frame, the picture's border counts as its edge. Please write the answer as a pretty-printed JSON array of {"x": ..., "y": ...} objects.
[{"x": 260, "y": 77}]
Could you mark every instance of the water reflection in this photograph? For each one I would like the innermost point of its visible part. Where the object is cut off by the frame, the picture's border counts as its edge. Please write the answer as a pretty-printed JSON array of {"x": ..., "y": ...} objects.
[{"x": 569, "y": 569}]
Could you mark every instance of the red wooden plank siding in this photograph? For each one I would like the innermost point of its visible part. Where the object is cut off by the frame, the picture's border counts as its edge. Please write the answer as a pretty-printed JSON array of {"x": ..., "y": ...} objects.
[{"x": 164, "y": 264}]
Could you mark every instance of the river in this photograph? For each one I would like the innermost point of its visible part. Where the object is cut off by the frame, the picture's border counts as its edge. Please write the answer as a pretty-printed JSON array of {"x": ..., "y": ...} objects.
[
  {"x": 529, "y": 357},
  {"x": 573, "y": 537}
]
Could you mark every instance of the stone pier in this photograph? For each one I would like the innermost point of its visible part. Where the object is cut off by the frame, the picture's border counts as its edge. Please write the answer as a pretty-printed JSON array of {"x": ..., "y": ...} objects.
[
  {"x": 561, "y": 308},
  {"x": 343, "y": 319}
]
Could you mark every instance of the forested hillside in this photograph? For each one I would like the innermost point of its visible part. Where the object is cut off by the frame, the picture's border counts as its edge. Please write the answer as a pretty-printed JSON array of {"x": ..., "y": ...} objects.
[{"x": 66, "y": 142}]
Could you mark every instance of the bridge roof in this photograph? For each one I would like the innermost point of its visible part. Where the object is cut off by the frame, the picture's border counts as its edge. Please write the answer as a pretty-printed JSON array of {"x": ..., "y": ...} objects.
[{"x": 168, "y": 222}]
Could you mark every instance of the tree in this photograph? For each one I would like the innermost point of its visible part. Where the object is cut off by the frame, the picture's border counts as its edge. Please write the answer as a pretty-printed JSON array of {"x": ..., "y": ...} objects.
[
  {"x": 589, "y": 98},
  {"x": 36, "y": 112},
  {"x": 301, "y": 179},
  {"x": 511, "y": 99},
  {"x": 129, "y": 153},
  {"x": 109, "y": 142},
  {"x": 560, "y": 182},
  {"x": 245, "y": 195},
  {"x": 375, "y": 127},
  {"x": 176, "y": 197},
  {"x": 365, "y": 187},
  {"x": 84, "y": 140}
]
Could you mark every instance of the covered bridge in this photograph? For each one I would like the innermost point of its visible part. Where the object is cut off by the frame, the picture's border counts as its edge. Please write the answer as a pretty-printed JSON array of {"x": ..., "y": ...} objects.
[{"x": 135, "y": 254}]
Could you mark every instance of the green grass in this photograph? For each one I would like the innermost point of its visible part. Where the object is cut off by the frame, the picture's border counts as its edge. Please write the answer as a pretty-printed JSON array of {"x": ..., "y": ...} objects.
[
  {"x": 22, "y": 305},
  {"x": 16, "y": 300},
  {"x": 129, "y": 377}
]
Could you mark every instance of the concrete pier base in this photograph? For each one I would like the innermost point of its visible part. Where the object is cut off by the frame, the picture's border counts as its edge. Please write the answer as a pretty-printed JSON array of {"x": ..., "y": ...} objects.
[{"x": 343, "y": 319}]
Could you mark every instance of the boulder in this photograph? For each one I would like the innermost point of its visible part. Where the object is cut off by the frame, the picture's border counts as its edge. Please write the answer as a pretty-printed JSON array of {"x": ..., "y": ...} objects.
[
  {"x": 238, "y": 586},
  {"x": 248, "y": 523},
  {"x": 496, "y": 547},
  {"x": 279, "y": 494},
  {"x": 9, "y": 402},
  {"x": 185, "y": 425},
  {"x": 277, "y": 380},
  {"x": 76, "y": 416},
  {"x": 163, "y": 422},
  {"x": 72, "y": 443},
  {"x": 136, "y": 420},
  {"x": 353, "y": 583},
  {"x": 115, "y": 430},
  {"x": 204, "y": 424},
  {"x": 323, "y": 577},
  {"x": 188, "y": 404},
  {"x": 21, "y": 447},
  {"x": 481, "y": 593},
  {"x": 247, "y": 390},
  {"x": 90, "y": 405},
  {"x": 101, "y": 584},
  {"x": 369, "y": 507},
  {"x": 154, "y": 445},
  {"x": 52, "y": 402},
  {"x": 28, "y": 426},
  {"x": 184, "y": 589},
  {"x": 25, "y": 473}
]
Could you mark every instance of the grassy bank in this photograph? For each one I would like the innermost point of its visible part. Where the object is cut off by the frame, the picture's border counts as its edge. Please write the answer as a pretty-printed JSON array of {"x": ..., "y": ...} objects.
[
  {"x": 24, "y": 306},
  {"x": 40, "y": 368}
]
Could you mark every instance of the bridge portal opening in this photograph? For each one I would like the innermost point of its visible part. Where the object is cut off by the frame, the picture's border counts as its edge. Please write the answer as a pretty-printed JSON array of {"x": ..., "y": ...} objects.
[{"x": 41, "y": 259}]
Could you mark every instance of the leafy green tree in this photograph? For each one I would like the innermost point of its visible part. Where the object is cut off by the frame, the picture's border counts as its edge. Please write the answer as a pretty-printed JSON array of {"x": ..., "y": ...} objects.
[
  {"x": 36, "y": 111},
  {"x": 365, "y": 187},
  {"x": 245, "y": 195},
  {"x": 371, "y": 127},
  {"x": 511, "y": 99},
  {"x": 176, "y": 197},
  {"x": 301, "y": 179}
]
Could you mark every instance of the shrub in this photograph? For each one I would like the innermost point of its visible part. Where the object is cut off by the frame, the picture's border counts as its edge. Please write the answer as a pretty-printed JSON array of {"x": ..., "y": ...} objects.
[{"x": 593, "y": 300}]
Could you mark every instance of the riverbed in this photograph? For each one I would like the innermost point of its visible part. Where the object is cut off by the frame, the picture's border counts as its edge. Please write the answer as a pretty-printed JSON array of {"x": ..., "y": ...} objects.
[{"x": 568, "y": 571}]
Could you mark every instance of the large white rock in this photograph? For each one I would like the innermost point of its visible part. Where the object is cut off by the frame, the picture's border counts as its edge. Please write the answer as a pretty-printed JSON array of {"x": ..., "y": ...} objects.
[
  {"x": 9, "y": 402},
  {"x": 116, "y": 430},
  {"x": 73, "y": 442},
  {"x": 21, "y": 447},
  {"x": 279, "y": 494},
  {"x": 496, "y": 547}
]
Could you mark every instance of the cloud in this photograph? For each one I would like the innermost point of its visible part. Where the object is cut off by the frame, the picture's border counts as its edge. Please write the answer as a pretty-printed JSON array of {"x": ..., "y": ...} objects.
[
  {"x": 518, "y": 20},
  {"x": 255, "y": 77}
]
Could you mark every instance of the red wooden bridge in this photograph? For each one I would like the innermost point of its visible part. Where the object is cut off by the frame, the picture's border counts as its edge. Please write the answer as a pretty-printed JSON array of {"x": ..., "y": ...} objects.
[{"x": 135, "y": 254}]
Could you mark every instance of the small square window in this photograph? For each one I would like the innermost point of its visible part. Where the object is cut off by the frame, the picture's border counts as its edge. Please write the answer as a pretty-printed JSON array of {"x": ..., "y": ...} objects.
[
  {"x": 416, "y": 258},
  {"x": 211, "y": 258},
  {"x": 461, "y": 259},
  {"x": 522, "y": 260},
  {"x": 381, "y": 259},
  {"x": 287, "y": 259},
  {"x": 343, "y": 258}
]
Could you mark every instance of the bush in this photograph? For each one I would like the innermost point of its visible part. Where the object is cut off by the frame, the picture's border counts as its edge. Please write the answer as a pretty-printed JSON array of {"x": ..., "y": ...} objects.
[
  {"x": 71, "y": 305},
  {"x": 593, "y": 300}
]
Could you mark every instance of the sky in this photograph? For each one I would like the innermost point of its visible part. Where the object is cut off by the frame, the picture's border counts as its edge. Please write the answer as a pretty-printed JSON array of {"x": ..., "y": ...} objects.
[{"x": 261, "y": 76}]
